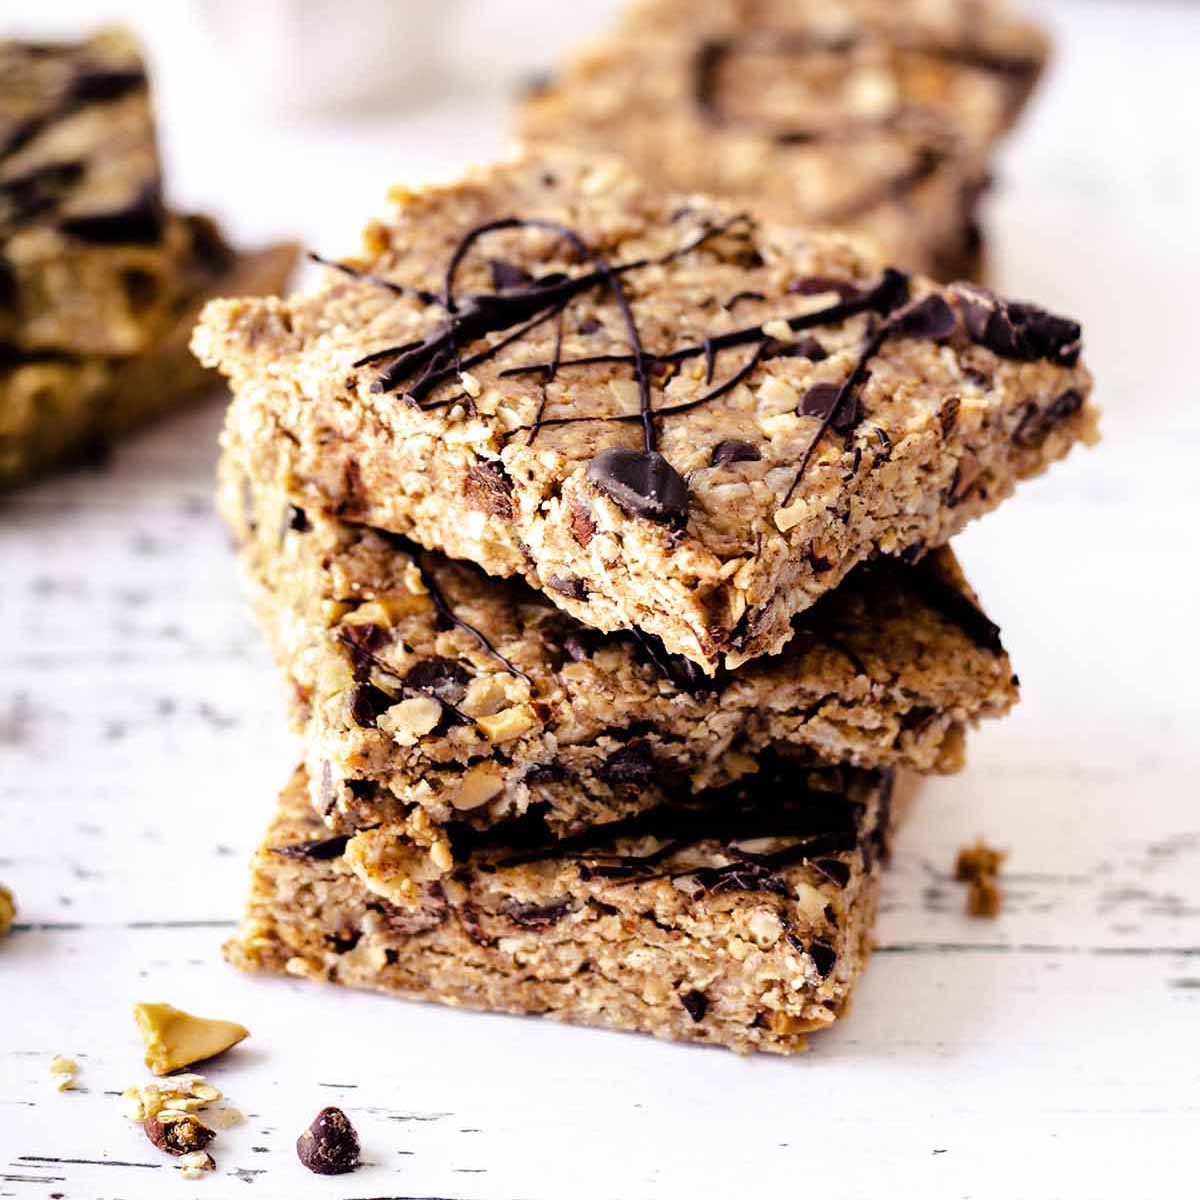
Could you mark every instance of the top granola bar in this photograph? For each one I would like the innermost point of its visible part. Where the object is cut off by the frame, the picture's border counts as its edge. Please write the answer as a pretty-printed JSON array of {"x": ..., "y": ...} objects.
[
  {"x": 875, "y": 115},
  {"x": 665, "y": 413}
]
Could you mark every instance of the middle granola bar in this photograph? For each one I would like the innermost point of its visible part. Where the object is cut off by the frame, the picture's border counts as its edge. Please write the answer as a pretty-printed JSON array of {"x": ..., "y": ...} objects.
[{"x": 431, "y": 695}]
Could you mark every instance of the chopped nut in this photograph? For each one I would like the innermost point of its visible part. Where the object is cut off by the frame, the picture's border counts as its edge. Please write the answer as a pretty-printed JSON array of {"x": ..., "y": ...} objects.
[
  {"x": 179, "y": 1093},
  {"x": 62, "y": 1072},
  {"x": 978, "y": 866},
  {"x": 470, "y": 384},
  {"x": 507, "y": 724},
  {"x": 329, "y": 1146},
  {"x": 193, "y": 1166},
  {"x": 8, "y": 910},
  {"x": 178, "y": 1133},
  {"x": 479, "y": 785},
  {"x": 176, "y": 1039},
  {"x": 778, "y": 329},
  {"x": 441, "y": 855},
  {"x": 411, "y": 719}
]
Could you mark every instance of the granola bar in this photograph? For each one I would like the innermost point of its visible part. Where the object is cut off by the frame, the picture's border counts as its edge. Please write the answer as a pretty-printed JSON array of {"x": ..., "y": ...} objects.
[
  {"x": 743, "y": 923},
  {"x": 91, "y": 261},
  {"x": 872, "y": 115},
  {"x": 58, "y": 408},
  {"x": 664, "y": 413}
]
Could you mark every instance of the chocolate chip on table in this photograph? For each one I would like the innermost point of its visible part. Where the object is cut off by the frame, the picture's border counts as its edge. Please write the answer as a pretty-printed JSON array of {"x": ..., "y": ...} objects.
[
  {"x": 329, "y": 1146},
  {"x": 696, "y": 1004},
  {"x": 641, "y": 482},
  {"x": 732, "y": 450}
]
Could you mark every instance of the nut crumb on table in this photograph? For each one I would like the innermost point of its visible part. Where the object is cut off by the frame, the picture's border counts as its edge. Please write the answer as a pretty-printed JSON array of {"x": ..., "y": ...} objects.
[
  {"x": 978, "y": 866},
  {"x": 175, "y": 1039}
]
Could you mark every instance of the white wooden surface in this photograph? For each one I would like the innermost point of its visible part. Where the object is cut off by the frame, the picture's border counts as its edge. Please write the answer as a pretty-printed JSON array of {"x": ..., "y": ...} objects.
[{"x": 1054, "y": 1052}]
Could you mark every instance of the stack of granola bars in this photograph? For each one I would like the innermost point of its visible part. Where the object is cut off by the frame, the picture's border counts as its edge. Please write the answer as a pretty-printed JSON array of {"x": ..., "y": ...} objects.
[
  {"x": 99, "y": 282},
  {"x": 600, "y": 531}
]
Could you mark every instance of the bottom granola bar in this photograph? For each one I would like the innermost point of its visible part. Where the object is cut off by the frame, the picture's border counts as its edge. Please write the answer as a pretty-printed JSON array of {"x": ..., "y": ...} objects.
[{"x": 743, "y": 921}]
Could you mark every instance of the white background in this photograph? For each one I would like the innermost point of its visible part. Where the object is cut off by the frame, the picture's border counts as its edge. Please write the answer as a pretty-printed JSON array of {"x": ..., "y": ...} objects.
[{"x": 1054, "y": 1052}]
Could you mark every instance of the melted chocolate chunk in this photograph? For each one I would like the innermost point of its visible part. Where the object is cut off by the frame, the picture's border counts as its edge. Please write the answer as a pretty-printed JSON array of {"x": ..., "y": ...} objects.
[
  {"x": 836, "y": 871},
  {"x": 507, "y": 275},
  {"x": 443, "y": 678},
  {"x": 818, "y": 285},
  {"x": 140, "y": 223},
  {"x": 321, "y": 850},
  {"x": 955, "y": 607},
  {"x": 489, "y": 489},
  {"x": 329, "y": 1146},
  {"x": 734, "y": 451},
  {"x": 538, "y": 916},
  {"x": 96, "y": 85},
  {"x": 930, "y": 318},
  {"x": 641, "y": 482},
  {"x": 367, "y": 702},
  {"x": 1036, "y": 423},
  {"x": 824, "y": 958},
  {"x": 676, "y": 669},
  {"x": 632, "y": 764},
  {"x": 550, "y": 772},
  {"x": 1016, "y": 330},
  {"x": 695, "y": 1003},
  {"x": 362, "y": 642},
  {"x": 581, "y": 644},
  {"x": 568, "y": 585}
]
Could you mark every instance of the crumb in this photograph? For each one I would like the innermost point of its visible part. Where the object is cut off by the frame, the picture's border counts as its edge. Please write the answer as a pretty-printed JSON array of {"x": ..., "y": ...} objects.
[
  {"x": 62, "y": 1072},
  {"x": 978, "y": 866},
  {"x": 176, "y": 1039},
  {"x": 180, "y": 1093},
  {"x": 8, "y": 910},
  {"x": 193, "y": 1166}
]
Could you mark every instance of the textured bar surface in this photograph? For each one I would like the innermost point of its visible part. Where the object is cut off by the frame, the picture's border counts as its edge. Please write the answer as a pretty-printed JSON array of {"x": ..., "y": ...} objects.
[
  {"x": 410, "y": 720},
  {"x": 665, "y": 414}
]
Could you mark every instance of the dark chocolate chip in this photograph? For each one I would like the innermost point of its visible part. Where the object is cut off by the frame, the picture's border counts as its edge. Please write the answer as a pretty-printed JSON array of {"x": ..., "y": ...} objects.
[
  {"x": 591, "y": 325},
  {"x": 362, "y": 642},
  {"x": 329, "y": 1146},
  {"x": 343, "y": 943},
  {"x": 489, "y": 489},
  {"x": 507, "y": 275},
  {"x": 92, "y": 86},
  {"x": 367, "y": 702},
  {"x": 820, "y": 400},
  {"x": 834, "y": 870},
  {"x": 297, "y": 519},
  {"x": 568, "y": 585},
  {"x": 824, "y": 958},
  {"x": 641, "y": 482},
  {"x": 550, "y": 772},
  {"x": 805, "y": 347},
  {"x": 139, "y": 223},
  {"x": 633, "y": 763},
  {"x": 948, "y": 414},
  {"x": 817, "y": 285},
  {"x": 929, "y": 318},
  {"x": 538, "y": 916},
  {"x": 581, "y": 644},
  {"x": 186, "y": 1135},
  {"x": 1020, "y": 331},
  {"x": 696, "y": 1004},
  {"x": 444, "y": 678},
  {"x": 734, "y": 451},
  {"x": 321, "y": 850}
]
